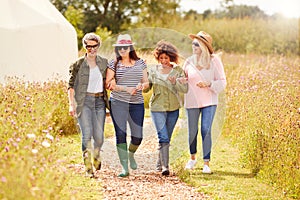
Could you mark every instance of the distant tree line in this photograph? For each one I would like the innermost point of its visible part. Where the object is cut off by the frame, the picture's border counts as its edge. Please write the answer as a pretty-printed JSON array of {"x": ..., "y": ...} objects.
[{"x": 109, "y": 17}]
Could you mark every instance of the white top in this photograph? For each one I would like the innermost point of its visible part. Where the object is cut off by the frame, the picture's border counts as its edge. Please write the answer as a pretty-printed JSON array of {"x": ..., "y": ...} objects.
[{"x": 95, "y": 84}]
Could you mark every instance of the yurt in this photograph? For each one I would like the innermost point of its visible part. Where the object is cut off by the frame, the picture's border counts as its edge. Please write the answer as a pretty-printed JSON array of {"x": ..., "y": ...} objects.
[{"x": 36, "y": 42}]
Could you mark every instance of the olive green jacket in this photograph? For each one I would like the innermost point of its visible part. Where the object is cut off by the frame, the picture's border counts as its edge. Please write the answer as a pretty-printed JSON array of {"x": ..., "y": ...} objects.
[
  {"x": 79, "y": 78},
  {"x": 165, "y": 95}
]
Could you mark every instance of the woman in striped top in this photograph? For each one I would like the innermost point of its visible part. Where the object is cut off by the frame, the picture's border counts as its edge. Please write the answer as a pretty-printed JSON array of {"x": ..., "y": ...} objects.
[{"x": 126, "y": 78}]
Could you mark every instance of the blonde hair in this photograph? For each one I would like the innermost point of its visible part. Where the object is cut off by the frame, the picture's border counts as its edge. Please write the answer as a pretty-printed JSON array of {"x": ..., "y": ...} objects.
[{"x": 205, "y": 56}]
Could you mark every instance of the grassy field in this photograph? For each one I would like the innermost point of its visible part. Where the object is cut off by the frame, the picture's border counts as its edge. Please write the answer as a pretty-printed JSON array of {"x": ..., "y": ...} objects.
[
  {"x": 260, "y": 134},
  {"x": 262, "y": 121}
]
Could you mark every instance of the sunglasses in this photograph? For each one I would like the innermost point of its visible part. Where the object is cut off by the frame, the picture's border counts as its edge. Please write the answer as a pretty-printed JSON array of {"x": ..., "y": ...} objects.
[
  {"x": 122, "y": 47},
  {"x": 196, "y": 44},
  {"x": 89, "y": 47}
]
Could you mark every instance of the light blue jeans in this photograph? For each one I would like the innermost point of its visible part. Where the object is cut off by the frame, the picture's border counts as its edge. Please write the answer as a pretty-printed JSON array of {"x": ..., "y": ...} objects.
[
  {"x": 91, "y": 122},
  {"x": 164, "y": 123},
  {"x": 207, "y": 117}
]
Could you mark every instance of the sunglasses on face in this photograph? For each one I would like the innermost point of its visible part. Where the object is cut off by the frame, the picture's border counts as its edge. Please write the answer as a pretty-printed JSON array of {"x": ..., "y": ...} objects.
[
  {"x": 122, "y": 47},
  {"x": 89, "y": 47},
  {"x": 196, "y": 44}
]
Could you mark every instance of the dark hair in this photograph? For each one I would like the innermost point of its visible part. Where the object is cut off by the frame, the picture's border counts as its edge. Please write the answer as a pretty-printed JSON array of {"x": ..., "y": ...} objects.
[
  {"x": 132, "y": 55},
  {"x": 163, "y": 47}
]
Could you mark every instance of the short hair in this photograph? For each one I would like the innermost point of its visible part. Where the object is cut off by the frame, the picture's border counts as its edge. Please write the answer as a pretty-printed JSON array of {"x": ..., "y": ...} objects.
[
  {"x": 91, "y": 36},
  {"x": 167, "y": 48}
]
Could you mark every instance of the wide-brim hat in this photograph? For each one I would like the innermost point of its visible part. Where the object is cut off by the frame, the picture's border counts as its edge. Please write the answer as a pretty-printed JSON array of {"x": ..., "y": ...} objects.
[
  {"x": 124, "y": 40},
  {"x": 205, "y": 38}
]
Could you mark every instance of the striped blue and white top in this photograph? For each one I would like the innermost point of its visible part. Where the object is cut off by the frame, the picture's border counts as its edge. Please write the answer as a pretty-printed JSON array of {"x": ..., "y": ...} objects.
[{"x": 128, "y": 76}]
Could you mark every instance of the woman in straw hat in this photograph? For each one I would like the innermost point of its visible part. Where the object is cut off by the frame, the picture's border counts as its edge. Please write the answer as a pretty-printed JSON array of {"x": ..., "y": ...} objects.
[
  {"x": 206, "y": 79},
  {"x": 126, "y": 78}
]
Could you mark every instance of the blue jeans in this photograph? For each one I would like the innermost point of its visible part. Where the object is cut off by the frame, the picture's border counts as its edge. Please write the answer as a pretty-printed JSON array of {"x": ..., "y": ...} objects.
[
  {"x": 91, "y": 122},
  {"x": 164, "y": 123},
  {"x": 207, "y": 117},
  {"x": 121, "y": 113}
]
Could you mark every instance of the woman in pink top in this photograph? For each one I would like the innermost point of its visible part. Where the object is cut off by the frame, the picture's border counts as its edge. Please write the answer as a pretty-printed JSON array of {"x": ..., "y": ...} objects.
[{"x": 206, "y": 79}]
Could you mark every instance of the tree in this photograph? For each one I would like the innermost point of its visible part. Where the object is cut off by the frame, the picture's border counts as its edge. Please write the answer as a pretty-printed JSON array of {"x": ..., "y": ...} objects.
[
  {"x": 75, "y": 17},
  {"x": 113, "y": 14}
]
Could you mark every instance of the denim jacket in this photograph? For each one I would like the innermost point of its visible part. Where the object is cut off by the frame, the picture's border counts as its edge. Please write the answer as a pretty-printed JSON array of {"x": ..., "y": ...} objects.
[
  {"x": 79, "y": 79},
  {"x": 165, "y": 96}
]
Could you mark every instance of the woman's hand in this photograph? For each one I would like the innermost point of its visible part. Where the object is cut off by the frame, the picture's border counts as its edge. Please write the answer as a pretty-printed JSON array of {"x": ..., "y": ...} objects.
[
  {"x": 203, "y": 84},
  {"x": 72, "y": 110},
  {"x": 172, "y": 79},
  {"x": 132, "y": 90},
  {"x": 182, "y": 80}
]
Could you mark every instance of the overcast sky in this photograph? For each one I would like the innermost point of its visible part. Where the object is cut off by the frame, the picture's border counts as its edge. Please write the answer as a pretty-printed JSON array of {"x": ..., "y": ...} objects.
[{"x": 289, "y": 8}]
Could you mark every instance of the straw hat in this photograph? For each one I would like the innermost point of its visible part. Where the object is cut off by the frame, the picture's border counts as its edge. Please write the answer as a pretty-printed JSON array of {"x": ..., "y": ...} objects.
[
  {"x": 205, "y": 38},
  {"x": 124, "y": 40}
]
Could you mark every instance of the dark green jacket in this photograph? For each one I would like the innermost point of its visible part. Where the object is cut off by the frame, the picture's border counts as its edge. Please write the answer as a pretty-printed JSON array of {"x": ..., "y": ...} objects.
[
  {"x": 165, "y": 95},
  {"x": 79, "y": 78}
]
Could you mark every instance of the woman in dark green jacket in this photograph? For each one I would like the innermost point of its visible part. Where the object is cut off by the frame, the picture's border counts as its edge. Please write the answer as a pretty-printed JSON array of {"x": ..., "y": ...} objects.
[
  {"x": 87, "y": 100},
  {"x": 167, "y": 80}
]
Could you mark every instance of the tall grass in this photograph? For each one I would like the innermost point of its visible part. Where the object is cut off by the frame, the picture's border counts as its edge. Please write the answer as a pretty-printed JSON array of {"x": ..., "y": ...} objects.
[
  {"x": 258, "y": 36},
  {"x": 33, "y": 116},
  {"x": 263, "y": 117}
]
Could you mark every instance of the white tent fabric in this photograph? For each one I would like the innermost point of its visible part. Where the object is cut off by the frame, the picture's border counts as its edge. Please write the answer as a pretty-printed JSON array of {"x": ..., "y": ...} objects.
[{"x": 36, "y": 42}]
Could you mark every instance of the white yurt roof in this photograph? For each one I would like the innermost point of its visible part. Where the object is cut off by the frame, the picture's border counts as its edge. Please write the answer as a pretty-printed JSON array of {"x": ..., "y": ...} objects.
[{"x": 36, "y": 42}]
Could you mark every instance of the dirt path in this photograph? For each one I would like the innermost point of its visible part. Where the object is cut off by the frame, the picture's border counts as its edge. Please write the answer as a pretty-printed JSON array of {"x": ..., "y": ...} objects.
[{"x": 145, "y": 182}]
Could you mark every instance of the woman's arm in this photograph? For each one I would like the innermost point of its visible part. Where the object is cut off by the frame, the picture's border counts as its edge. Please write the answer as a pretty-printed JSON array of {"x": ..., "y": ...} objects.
[
  {"x": 72, "y": 108},
  {"x": 181, "y": 81},
  {"x": 144, "y": 85},
  {"x": 219, "y": 83},
  {"x": 110, "y": 82}
]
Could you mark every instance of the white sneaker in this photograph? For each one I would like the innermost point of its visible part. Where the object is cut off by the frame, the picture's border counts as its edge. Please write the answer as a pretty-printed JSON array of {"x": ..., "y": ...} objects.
[
  {"x": 206, "y": 170},
  {"x": 190, "y": 164}
]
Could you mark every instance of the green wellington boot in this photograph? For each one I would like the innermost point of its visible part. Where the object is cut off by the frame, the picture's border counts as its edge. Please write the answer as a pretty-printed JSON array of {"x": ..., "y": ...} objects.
[
  {"x": 123, "y": 157},
  {"x": 97, "y": 159},
  {"x": 131, "y": 150},
  {"x": 88, "y": 163}
]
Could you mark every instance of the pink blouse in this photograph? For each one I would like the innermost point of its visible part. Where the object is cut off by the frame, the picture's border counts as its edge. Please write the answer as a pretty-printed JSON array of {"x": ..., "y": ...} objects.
[{"x": 197, "y": 97}]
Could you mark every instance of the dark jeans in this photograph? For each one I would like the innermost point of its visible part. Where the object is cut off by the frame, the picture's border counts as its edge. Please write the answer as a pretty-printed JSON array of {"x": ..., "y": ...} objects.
[{"x": 121, "y": 113}]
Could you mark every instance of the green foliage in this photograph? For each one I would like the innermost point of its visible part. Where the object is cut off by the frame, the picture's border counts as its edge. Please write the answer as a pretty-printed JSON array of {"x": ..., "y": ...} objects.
[
  {"x": 264, "y": 110},
  {"x": 238, "y": 28},
  {"x": 103, "y": 33},
  {"x": 75, "y": 17}
]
